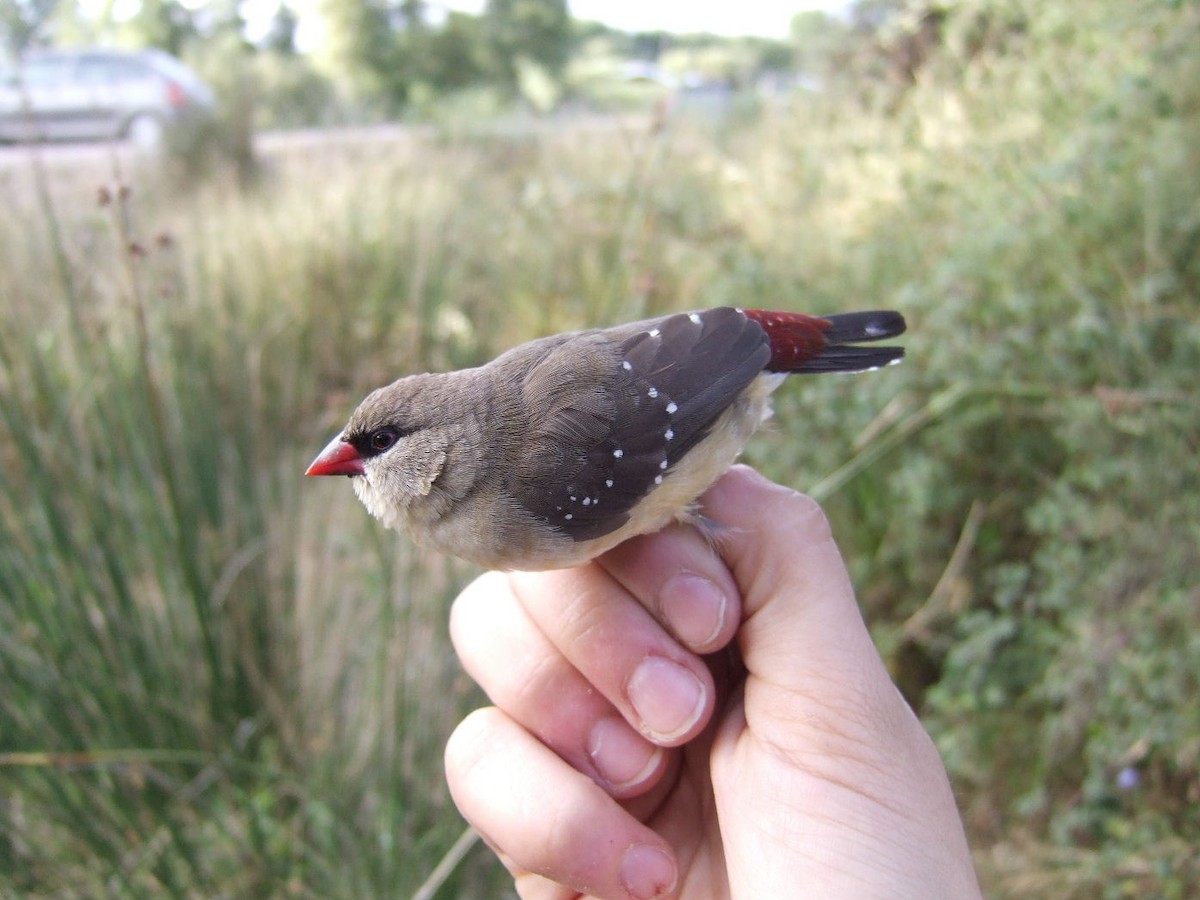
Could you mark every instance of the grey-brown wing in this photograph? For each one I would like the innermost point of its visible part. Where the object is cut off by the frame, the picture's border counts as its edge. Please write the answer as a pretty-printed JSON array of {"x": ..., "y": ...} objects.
[{"x": 616, "y": 409}]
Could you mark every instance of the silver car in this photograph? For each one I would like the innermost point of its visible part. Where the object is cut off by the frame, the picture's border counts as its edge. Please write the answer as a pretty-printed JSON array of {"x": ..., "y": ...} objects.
[{"x": 99, "y": 95}]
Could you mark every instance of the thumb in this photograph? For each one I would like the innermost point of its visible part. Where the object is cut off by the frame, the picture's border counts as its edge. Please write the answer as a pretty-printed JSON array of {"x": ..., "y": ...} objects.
[
  {"x": 802, "y": 630},
  {"x": 822, "y": 748}
]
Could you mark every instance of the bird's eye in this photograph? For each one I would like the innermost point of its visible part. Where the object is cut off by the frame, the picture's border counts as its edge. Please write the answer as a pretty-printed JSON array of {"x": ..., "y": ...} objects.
[{"x": 383, "y": 439}]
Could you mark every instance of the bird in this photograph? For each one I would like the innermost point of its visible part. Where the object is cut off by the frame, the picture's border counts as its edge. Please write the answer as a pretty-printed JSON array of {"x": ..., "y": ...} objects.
[{"x": 563, "y": 447}]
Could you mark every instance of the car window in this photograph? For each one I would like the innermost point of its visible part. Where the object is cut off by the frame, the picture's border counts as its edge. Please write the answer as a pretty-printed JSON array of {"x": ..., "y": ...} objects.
[
  {"x": 47, "y": 71},
  {"x": 109, "y": 70}
]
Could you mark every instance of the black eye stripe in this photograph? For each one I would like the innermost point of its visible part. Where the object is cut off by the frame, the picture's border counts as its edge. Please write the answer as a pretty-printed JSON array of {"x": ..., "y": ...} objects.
[{"x": 373, "y": 443}]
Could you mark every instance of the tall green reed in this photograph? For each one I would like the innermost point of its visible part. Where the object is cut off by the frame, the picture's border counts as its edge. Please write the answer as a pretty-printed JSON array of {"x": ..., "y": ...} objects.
[{"x": 175, "y": 716}]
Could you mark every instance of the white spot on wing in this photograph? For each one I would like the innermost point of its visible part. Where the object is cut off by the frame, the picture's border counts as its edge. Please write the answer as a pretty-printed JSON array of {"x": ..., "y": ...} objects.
[
  {"x": 653, "y": 332},
  {"x": 618, "y": 453},
  {"x": 672, "y": 408},
  {"x": 663, "y": 464},
  {"x": 626, "y": 365},
  {"x": 652, "y": 393},
  {"x": 669, "y": 434},
  {"x": 695, "y": 317},
  {"x": 658, "y": 479},
  {"x": 608, "y": 482}
]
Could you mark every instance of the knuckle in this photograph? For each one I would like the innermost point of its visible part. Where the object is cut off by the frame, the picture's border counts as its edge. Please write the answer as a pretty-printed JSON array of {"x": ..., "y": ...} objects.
[{"x": 806, "y": 515}]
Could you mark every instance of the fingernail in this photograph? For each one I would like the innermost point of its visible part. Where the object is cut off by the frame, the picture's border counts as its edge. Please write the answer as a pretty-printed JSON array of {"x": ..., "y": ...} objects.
[
  {"x": 666, "y": 696},
  {"x": 622, "y": 758},
  {"x": 647, "y": 872},
  {"x": 694, "y": 607}
]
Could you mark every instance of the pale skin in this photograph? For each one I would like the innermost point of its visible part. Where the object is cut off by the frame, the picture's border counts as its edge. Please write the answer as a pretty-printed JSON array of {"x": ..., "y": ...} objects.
[{"x": 672, "y": 720}]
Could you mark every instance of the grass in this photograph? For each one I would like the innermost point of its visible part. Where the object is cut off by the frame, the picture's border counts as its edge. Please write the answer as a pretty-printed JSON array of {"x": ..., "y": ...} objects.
[
  {"x": 199, "y": 655},
  {"x": 221, "y": 679}
]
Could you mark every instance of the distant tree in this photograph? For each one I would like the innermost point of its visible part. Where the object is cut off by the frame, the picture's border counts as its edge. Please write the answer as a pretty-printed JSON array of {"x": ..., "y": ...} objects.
[
  {"x": 769, "y": 55},
  {"x": 818, "y": 39},
  {"x": 412, "y": 14},
  {"x": 585, "y": 32},
  {"x": 363, "y": 48},
  {"x": 387, "y": 48},
  {"x": 457, "y": 53},
  {"x": 281, "y": 34},
  {"x": 650, "y": 45},
  {"x": 588, "y": 29},
  {"x": 871, "y": 15},
  {"x": 410, "y": 29},
  {"x": 537, "y": 31},
  {"x": 166, "y": 24},
  {"x": 21, "y": 21},
  {"x": 897, "y": 38}
]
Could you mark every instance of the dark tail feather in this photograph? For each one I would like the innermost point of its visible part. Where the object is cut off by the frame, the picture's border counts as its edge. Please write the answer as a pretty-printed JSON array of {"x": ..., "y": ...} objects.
[
  {"x": 851, "y": 359},
  {"x": 851, "y": 328},
  {"x": 812, "y": 344},
  {"x": 860, "y": 327}
]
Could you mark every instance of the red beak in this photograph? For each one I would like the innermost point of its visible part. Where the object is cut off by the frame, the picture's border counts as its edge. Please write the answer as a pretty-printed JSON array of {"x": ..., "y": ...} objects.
[{"x": 338, "y": 458}]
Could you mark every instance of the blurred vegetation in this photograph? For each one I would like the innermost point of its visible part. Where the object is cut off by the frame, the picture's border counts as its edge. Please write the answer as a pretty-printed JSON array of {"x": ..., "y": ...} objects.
[
  {"x": 222, "y": 680},
  {"x": 391, "y": 59}
]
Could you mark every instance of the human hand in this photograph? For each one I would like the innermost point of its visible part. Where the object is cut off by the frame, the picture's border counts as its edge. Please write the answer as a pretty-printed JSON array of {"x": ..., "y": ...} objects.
[{"x": 618, "y": 762}]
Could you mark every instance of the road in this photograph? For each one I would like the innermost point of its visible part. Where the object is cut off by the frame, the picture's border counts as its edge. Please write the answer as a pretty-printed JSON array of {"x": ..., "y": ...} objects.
[
  {"x": 274, "y": 143},
  {"x": 268, "y": 143}
]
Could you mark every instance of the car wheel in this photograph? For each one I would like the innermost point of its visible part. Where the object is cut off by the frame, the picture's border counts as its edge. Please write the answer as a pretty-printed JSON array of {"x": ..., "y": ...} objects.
[{"x": 144, "y": 130}]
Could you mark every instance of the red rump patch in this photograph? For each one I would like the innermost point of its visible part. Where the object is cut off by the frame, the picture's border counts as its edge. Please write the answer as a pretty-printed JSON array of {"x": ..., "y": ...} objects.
[{"x": 794, "y": 337}]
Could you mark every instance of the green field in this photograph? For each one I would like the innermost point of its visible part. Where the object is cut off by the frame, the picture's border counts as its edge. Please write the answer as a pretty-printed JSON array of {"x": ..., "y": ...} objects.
[{"x": 219, "y": 678}]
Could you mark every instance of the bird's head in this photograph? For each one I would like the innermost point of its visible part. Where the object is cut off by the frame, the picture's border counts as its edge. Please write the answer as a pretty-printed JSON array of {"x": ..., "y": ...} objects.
[{"x": 395, "y": 451}]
